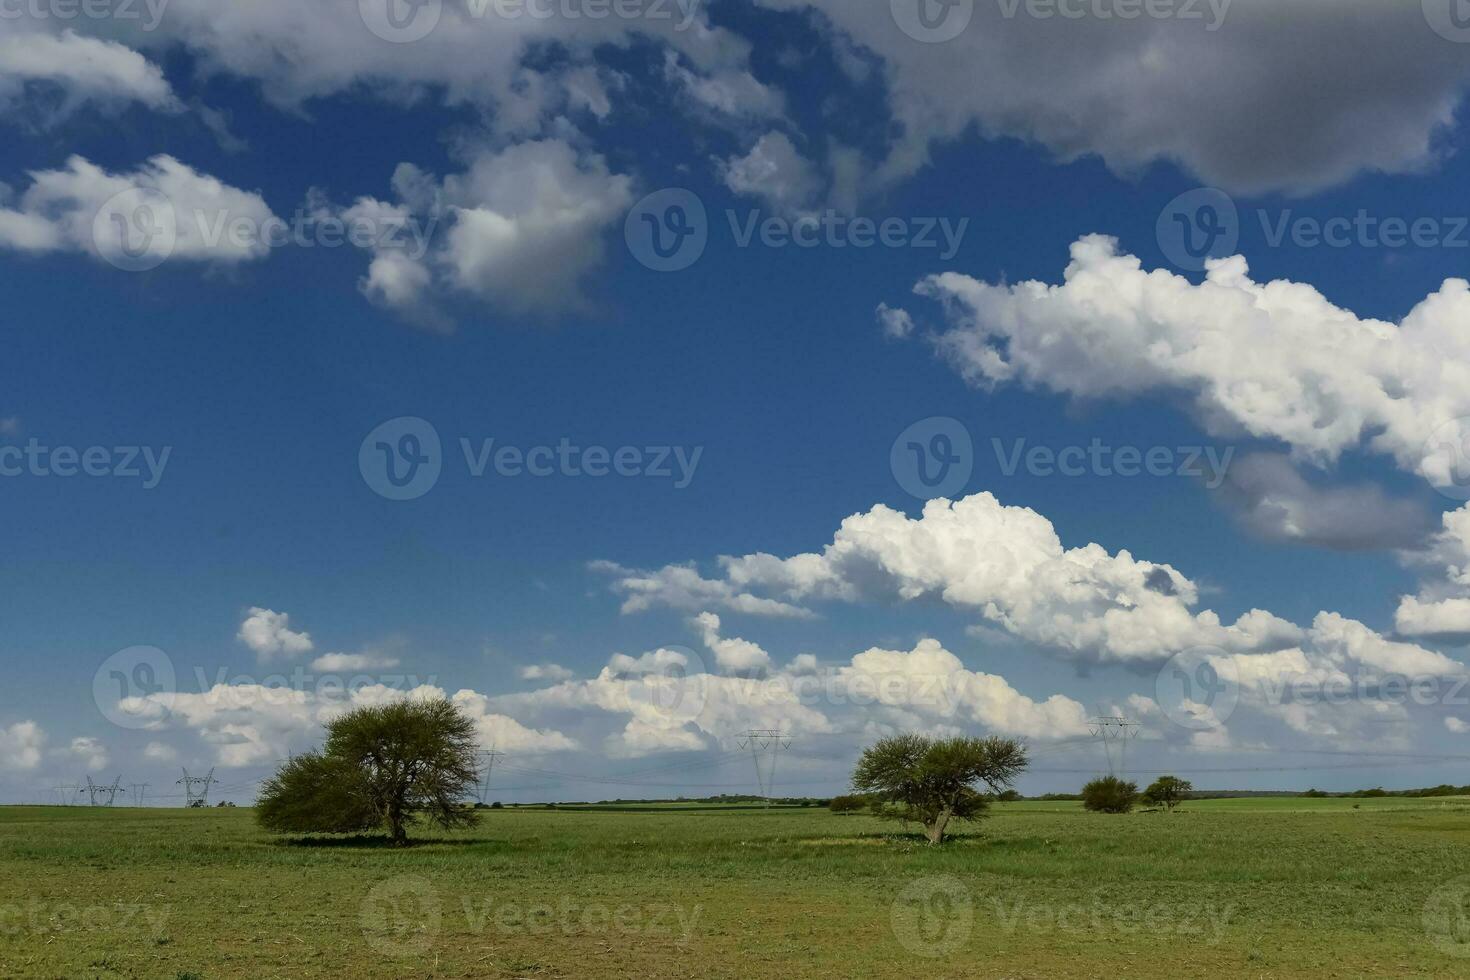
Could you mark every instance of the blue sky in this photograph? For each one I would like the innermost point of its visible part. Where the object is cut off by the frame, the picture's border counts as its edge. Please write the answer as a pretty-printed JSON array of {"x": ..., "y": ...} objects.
[{"x": 527, "y": 318}]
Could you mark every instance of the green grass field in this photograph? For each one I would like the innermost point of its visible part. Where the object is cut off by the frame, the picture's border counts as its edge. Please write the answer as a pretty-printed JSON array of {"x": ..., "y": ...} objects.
[{"x": 1249, "y": 887}]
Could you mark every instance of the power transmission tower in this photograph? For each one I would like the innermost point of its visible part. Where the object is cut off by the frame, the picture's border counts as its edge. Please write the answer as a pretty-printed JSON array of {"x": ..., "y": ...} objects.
[
  {"x": 97, "y": 792},
  {"x": 488, "y": 760},
  {"x": 196, "y": 789},
  {"x": 1115, "y": 732},
  {"x": 140, "y": 790},
  {"x": 765, "y": 745},
  {"x": 66, "y": 793}
]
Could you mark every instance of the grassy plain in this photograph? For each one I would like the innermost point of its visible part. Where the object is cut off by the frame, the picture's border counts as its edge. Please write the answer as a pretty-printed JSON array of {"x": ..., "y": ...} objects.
[{"x": 1240, "y": 888}]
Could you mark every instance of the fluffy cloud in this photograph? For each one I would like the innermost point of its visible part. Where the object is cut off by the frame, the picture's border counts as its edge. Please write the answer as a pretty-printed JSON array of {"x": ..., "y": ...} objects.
[
  {"x": 85, "y": 69},
  {"x": 727, "y": 91},
  {"x": 348, "y": 662},
  {"x": 665, "y": 702},
  {"x": 1442, "y": 607},
  {"x": 474, "y": 54},
  {"x": 932, "y": 682},
  {"x": 21, "y": 745},
  {"x": 1443, "y": 618},
  {"x": 159, "y": 752},
  {"x": 682, "y": 587},
  {"x": 269, "y": 634},
  {"x": 552, "y": 673},
  {"x": 897, "y": 324},
  {"x": 87, "y": 752},
  {"x": 256, "y": 725},
  {"x": 1256, "y": 120},
  {"x": 775, "y": 171},
  {"x": 1253, "y": 115},
  {"x": 165, "y": 209},
  {"x": 733, "y": 655},
  {"x": 522, "y": 229},
  {"x": 1008, "y": 565},
  {"x": 1276, "y": 360},
  {"x": 503, "y": 732}
]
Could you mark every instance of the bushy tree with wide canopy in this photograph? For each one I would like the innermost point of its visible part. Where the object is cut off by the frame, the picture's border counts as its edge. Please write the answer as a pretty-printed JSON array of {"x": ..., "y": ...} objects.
[
  {"x": 382, "y": 766},
  {"x": 934, "y": 781}
]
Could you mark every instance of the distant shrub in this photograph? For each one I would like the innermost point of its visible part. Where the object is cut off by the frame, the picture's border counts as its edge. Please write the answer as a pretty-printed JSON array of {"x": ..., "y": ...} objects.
[
  {"x": 1008, "y": 796},
  {"x": 1109, "y": 794},
  {"x": 1168, "y": 791},
  {"x": 844, "y": 805}
]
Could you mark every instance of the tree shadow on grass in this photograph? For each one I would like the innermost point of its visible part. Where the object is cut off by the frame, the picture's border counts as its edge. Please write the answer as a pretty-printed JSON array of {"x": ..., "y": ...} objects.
[
  {"x": 897, "y": 837},
  {"x": 382, "y": 841}
]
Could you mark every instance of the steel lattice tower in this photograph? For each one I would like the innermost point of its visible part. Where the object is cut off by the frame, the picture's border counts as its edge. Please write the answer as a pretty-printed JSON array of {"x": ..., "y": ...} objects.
[
  {"x": 765, "y": 745},
  {"x": 196, "y": 789},
  {"x": 1115, "y": 732}
]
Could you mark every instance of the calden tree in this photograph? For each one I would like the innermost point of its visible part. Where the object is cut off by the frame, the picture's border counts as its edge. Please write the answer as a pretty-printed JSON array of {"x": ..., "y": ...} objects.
[
  {"x": 934, "y": 781},
  {"x": 1168, "y": 792},
  {"x": 381, "y": 767}
]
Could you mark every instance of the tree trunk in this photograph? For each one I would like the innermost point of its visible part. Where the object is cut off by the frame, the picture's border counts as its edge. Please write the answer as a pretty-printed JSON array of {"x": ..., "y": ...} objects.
[
  {"x": 935, "y": 831},
  {"x": 395, "y": 827}
]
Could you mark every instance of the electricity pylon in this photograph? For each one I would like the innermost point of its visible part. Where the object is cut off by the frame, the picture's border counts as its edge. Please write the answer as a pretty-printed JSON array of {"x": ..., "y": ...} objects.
[
  {"x": 765, "y": 745},
  {"x": 1115, "y": 732},
  {"x": 488, "y": 760},
  {"x": 97, "y": 792},
  {"x": 196, "y": 789}
]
